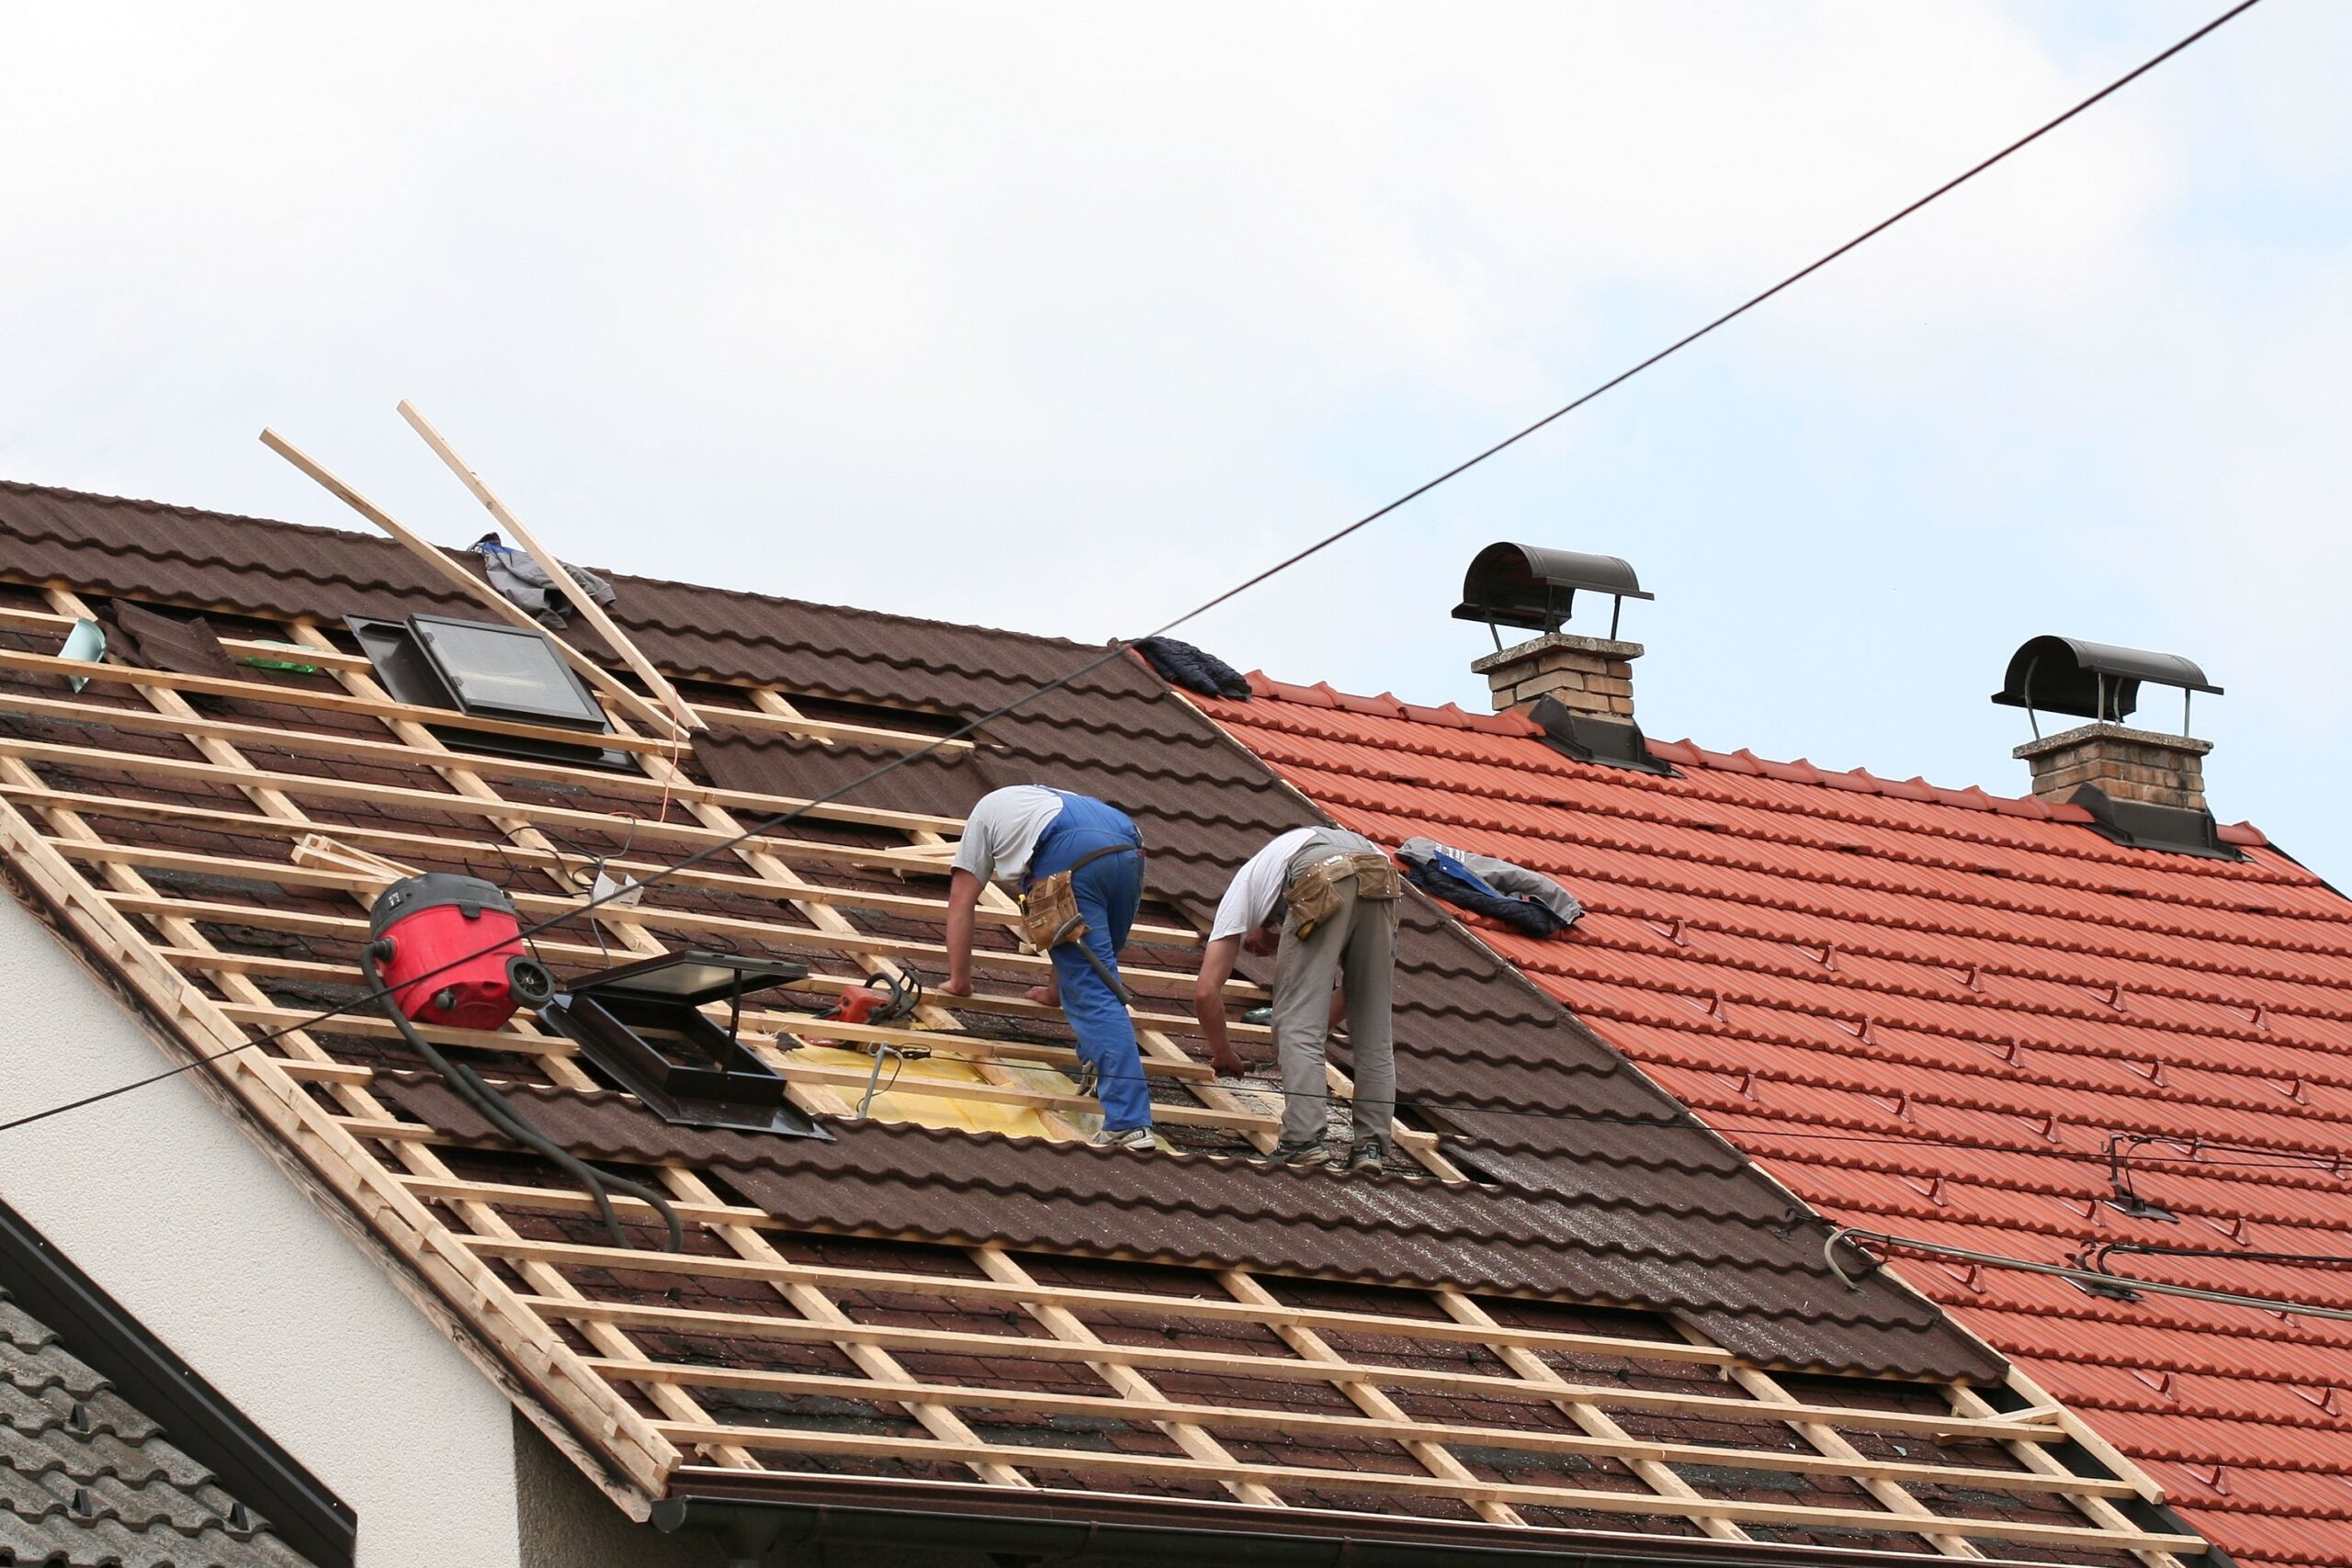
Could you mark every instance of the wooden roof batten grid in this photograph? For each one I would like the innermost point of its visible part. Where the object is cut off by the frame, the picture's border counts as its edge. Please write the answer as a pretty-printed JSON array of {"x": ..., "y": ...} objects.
[{"x": 581, "y": 1354}]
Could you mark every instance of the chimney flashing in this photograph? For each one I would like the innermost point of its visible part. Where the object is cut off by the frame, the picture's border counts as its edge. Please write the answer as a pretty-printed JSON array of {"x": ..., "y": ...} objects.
[
  {"x": 2138, "y": 825},
  {"x": 1585, "y": 738}
]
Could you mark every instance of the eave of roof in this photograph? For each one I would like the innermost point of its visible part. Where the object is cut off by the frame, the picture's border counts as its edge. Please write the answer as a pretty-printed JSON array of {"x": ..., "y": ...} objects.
[
  {"x": 92, "y": 1475},
  {"x": 852, "y": 1512}
]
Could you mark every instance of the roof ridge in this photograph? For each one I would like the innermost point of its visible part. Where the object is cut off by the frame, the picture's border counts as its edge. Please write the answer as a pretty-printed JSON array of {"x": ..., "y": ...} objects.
[
  {"x": 1690, "y": 753},
  {"x": 1386, "y": 705},
  {"x": 66, "y": 493},
  {"x": 375, "y": 541}
]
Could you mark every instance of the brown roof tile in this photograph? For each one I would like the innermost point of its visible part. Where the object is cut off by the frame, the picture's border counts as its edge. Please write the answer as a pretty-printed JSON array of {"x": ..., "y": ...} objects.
[{"x": 1641, "y": 1205}]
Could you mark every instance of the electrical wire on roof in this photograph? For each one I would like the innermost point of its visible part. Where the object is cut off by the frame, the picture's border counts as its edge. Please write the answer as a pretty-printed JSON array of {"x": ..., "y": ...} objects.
[
  {"x": 2098, "y": 1281},
  {"x": 2096, "y": 1256},
  {"x": 2125, "y": 1150},
  {"x": 1119, "y": 646}
]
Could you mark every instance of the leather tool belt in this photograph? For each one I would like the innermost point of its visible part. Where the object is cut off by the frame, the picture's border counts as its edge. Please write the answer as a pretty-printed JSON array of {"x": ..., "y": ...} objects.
[
  {"x": 1313, "y": 894},
  {"x": 1049, "y": 914}
]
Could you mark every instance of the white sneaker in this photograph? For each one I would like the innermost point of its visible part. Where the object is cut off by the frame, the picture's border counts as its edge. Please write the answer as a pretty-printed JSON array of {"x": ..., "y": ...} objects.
[{"x": 1138, "y": 1140}]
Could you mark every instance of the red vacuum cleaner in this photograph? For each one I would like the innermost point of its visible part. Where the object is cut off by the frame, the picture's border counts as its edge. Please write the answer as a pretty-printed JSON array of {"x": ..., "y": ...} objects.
[
  {"x": 448, "y": 950},
  {"x": 451, "y": 948}
]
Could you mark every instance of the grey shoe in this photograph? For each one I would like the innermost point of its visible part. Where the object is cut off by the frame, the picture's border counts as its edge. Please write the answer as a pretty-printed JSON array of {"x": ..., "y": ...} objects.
[
  {"x": 1301, "y": 1154},
  {"x": 1137, "y": 1140},
  {"x": 1367, "y": 1156}
]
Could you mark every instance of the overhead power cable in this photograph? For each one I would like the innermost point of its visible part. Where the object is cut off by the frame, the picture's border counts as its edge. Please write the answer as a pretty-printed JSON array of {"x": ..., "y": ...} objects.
[{"x": 1118, "y": 647}]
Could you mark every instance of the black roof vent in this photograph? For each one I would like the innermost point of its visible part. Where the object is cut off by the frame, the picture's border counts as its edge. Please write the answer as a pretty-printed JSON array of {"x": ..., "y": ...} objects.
[
  {"x": 2142, "y": 825},
  {"x": 1535, "y": 589},
  {"x": 1587, "y": 737},
  {"x": 2094, "y": 680}
]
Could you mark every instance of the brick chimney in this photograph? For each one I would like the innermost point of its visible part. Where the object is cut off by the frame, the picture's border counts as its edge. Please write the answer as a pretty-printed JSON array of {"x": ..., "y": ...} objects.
[
  {"x": 2142, "y": 787},
  {"x": 1586, "y": 676},
  {"x": 2124, "y": 763},
  {"x": 1534, "y": 589}
]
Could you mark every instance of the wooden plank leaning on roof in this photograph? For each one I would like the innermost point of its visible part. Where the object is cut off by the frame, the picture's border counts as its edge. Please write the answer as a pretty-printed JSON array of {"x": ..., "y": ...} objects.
[
  {"x": 557, "y": 573},
  {"x": 482, "y": 594}
]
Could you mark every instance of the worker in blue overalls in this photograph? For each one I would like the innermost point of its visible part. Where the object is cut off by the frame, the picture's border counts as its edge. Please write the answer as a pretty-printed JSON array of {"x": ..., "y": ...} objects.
[{"x": 1079, "y": 864}]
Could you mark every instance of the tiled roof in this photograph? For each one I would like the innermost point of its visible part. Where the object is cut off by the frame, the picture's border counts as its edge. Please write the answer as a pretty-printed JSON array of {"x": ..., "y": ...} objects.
[
  {"x": 1663, "y": 1214},
  {"x": 936, "y": 1310},
  {"x": 87, "y": 1481},
  {"x": 1927, "y": 1010}
]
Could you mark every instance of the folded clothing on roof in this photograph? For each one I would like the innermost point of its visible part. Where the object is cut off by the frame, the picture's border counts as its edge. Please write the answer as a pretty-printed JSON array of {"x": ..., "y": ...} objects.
[
  {"x": 1182, "y": 664},
  {"x": 521, "y": 582},
  {"x": 1527, "y": 901}
]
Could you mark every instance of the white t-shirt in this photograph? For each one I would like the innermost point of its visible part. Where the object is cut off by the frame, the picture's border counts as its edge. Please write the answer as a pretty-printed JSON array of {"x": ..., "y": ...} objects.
[
  {"x": 1257, "y": 887},
  {"x": 1001, "y": 836}
]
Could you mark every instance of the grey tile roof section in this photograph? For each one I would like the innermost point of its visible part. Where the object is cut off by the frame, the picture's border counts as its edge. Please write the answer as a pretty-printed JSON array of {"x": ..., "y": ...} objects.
[{"x": 87, "y": 1481}]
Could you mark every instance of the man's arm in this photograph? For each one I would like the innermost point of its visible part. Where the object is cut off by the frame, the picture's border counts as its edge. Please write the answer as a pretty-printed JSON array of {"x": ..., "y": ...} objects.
[
  {"x": 963, "y": 898},
  {"x": 1208, "y": 1002}
]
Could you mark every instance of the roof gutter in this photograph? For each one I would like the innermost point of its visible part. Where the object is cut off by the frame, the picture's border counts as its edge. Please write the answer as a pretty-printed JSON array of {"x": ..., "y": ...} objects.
[
  {"x": 766, "y": 1517},
  {"x": 298, "y": 1509}
]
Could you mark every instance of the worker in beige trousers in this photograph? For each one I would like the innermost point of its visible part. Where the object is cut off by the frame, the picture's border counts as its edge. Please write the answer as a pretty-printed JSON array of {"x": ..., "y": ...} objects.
[{"x": 1322, "y": 902}]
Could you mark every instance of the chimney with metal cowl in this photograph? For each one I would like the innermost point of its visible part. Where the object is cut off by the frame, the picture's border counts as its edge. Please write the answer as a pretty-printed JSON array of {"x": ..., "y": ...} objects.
[
  {"x": 2141, "y": 786},
  {"x": 1579, "y": 690},
  {"x": 1532, "y": 589}
]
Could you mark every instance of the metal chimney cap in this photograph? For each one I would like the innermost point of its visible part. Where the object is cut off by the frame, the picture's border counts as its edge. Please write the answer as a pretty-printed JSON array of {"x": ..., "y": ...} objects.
[
  {"x": 2091, "y": 679},
  {"x": 1530, "y": 587}
]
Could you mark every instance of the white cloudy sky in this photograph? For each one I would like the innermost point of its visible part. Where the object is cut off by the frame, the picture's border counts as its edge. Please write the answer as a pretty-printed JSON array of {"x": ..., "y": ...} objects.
[{"x": 1062, "y": 317}]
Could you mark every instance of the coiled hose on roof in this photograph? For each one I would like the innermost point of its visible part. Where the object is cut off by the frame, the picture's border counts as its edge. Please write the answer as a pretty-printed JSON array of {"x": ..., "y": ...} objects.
[{"x": 507, "y": 1120}]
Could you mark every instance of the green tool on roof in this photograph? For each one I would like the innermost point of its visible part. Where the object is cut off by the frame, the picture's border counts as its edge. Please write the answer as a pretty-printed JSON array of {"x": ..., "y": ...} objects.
[{"x": 293, "y": 666}]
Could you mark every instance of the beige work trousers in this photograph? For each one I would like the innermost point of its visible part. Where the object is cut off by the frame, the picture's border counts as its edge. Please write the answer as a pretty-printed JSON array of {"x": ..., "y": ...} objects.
[{"x": 1357, "y": 946}]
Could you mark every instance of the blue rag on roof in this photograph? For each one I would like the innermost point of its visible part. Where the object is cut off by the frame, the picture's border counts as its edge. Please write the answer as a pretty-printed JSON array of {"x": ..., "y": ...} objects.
[
  {"x": 1527, "y": 901},
  {"x": 1182, "y": 664}
]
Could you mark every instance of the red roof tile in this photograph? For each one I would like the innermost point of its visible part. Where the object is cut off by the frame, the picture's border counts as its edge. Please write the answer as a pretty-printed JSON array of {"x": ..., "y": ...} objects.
[{"x": 1926, "y": 1009}]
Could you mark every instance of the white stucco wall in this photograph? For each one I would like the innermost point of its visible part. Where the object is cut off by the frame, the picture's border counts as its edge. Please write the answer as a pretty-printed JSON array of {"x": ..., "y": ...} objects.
[
  {"x": 171, "y": 1207},
  {"x": 566, "y": 1523}
]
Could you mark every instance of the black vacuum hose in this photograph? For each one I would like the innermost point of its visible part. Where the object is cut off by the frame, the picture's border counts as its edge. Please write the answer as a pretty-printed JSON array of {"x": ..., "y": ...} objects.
[{"x": 507, "y": 1120}]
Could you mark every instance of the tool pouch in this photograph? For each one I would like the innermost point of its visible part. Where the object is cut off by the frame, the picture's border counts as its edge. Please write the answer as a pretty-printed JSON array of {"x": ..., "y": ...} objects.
[
  {"x": 1378, "y": 878},
  {"x": 1313, "y": 895},
  {"x": 1050, "y": 912}
]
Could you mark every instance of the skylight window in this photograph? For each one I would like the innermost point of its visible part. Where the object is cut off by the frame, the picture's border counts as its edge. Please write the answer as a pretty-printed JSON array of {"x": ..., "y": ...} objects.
[
  {"x": 506, "y": 673},
  {"x": 487, "y": 672}
]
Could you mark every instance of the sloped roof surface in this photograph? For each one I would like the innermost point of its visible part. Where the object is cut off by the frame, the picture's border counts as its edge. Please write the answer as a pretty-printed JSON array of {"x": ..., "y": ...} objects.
[
  {"x": 86, "y": 1480},
  {"x": 1660, "y": 1213},
  {"x": 1927, "y": 1010}
]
